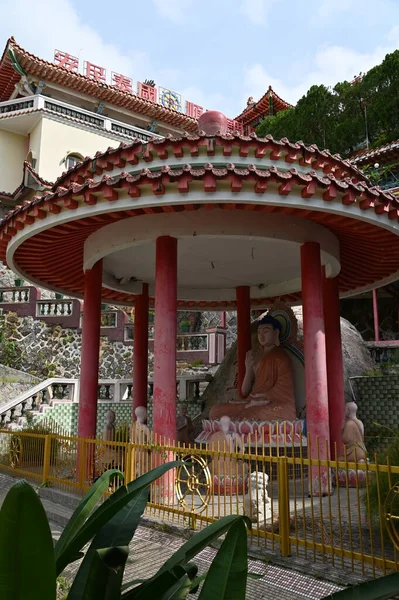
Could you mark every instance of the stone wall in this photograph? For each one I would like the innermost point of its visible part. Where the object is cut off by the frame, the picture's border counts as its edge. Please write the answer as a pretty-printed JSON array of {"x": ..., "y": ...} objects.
[
  {"x": 378, "y": 402},
  {"x": 51, "y": 351},
  {"x": 13, "y": 383}
]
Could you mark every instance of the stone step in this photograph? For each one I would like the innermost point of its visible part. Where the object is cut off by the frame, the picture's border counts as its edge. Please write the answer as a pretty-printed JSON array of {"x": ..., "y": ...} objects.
[
  {"x": 56, "y": 513},
  {"x": 60, "y": 497}
]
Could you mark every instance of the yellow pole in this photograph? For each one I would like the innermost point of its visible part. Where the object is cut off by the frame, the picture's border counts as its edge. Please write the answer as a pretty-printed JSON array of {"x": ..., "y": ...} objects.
[
  {"x": 46, "y": 458},
  {"x": 283, "y": 506},
  {"x": 128, "y": 464},
  {"x": 82, "y": 462}
]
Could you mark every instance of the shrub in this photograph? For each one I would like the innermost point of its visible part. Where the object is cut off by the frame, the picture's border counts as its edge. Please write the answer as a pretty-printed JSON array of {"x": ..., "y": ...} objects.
[
  {"x": 32, "y": 448},
  {"x": 110, "y": 528},
  {"x": 381, "y": 483}
]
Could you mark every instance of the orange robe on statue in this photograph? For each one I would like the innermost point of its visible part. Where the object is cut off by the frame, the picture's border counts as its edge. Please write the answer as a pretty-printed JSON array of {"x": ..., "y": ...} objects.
[{"x": 273, "y": 378}]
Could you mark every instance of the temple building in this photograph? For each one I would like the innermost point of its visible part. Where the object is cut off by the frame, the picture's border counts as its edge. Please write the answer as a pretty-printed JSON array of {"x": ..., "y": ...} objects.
[
  {"x": 268, "y": 106},
  {"x": 52, "y": 116}
]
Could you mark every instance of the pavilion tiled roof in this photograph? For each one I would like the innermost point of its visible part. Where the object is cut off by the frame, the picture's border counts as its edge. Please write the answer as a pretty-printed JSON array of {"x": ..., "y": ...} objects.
[
  {"x": 324, "y": 189},
  {"x": 53, "y": 73},
  {"x": 261, "y": 107},
  {"x": 322, "y": 161},
  {"x": 388, "y": 152},
  {"x": 77, "y": 185}
]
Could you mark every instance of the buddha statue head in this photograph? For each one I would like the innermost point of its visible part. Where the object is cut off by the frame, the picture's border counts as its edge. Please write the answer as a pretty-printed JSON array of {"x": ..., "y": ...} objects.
[
  {"x": 141, "y": 414},
  {"x": 268, "y": 332}
]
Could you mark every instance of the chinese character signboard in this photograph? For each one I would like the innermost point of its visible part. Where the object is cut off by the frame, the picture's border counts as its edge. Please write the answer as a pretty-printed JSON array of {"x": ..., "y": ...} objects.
[
  {"x": 63, "y": 59},
  {"x": 95, "y": 72},
  {"x": 169, "y": 99},
  {"x": 193, "y": 110},
  {"x": 164, "y": 96},
  {"x": 147, "y": 92},
  {"x": 122, "y": 83}
]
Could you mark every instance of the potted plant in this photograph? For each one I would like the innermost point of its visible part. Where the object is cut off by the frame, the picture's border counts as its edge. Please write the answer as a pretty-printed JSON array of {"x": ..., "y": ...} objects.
[
  {"x": 19, "y": 282},
  {"x": 184, "y": 326}
]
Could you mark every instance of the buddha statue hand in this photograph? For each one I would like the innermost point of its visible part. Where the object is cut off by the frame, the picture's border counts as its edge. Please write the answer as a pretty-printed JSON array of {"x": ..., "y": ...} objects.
[{"x": 257, "y": 400}]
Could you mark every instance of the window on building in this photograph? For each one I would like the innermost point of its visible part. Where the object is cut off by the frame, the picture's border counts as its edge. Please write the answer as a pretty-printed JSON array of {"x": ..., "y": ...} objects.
[{"x": 71, "y": 160}]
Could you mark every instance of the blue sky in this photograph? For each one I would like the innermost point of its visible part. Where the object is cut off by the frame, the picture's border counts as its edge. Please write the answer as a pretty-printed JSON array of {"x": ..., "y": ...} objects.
[{"x": 215, "y": 53}]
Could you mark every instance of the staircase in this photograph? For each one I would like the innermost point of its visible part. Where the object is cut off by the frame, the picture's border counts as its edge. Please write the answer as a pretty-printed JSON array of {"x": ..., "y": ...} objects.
[{"x": 43, "y": 397}]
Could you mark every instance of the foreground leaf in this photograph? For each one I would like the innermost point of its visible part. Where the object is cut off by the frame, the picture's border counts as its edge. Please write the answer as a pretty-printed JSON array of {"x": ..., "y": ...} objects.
[
  {"x": 227, "y": 576},
  {"x": 104, "y": 513},
  {"x": 378, "y": 589},
  {"x": 165, "y": 575},
  {"x": 104, "y": 575},
  {"x": 25, "y": 539},
  {"x": 85, "y": 508},
  {"x": 118, "y": 532}
]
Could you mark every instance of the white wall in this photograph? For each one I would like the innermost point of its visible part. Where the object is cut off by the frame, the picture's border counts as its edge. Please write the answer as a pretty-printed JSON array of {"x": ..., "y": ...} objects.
[
  {"x": 12, "y": 156},
  {"x": 59, "y": 139}
]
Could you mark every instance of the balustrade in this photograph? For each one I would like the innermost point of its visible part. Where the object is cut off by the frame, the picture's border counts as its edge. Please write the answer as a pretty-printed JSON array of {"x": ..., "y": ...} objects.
[
  {"x": 109, "y": 318},
  {"x": 192, "y": 342},
  {"x": 54, "y": 308},
  {"x": 14, "y": 295}
]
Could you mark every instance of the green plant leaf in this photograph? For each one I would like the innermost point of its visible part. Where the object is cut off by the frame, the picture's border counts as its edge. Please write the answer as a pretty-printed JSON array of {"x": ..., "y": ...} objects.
[
  {"x": 377, "y": 589},
  {"x": 105, "y": 575},
  {"x": 25, "y": 537},
  {"x": 227, "y": 576},
  {"x": 104, "y": 513},
  {"x": 183, "y": 555},
  {"x": 178, "y": 591},
  {"x": 117, "y": 532},
  {"x": 85, "y": 508}
]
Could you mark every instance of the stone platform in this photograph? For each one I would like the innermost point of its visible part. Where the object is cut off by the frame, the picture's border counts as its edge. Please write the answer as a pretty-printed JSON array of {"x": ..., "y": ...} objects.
[{"x": 260, "y": 433}]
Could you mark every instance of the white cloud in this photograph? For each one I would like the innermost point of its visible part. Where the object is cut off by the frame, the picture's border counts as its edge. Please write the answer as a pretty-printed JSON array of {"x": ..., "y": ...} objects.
[
  {"x": 174, "y": 10},
  {"x": 330, "y": 65},
  {"x": 66, "y": 31},
  {"x": 257, "y": 11},
  {"x": 329, "y": 8}
]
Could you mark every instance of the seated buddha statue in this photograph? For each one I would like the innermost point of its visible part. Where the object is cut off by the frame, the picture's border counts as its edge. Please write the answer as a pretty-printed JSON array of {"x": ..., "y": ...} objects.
[{"x": 268, "y": 386}]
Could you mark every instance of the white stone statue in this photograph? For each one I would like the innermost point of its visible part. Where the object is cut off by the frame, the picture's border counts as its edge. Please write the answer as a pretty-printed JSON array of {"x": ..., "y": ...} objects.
[
  {"x": 140, "y": 433},
  {"x": 109, "y": 428},
  {"x": 257, "y": 502},
  {"x": 352, "y": 435}
]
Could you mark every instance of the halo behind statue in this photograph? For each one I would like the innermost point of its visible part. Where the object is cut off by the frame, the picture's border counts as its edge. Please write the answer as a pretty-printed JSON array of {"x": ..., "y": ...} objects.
[{"x": 287, "y": 319}]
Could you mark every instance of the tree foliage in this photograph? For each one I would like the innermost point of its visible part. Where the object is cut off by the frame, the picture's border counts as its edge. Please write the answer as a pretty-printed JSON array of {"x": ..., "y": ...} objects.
[{"x": 342, "y": 118}]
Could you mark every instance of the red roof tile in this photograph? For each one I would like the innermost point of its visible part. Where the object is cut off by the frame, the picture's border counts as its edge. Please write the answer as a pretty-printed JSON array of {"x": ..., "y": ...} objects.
[{"x": 261, "y": 107}]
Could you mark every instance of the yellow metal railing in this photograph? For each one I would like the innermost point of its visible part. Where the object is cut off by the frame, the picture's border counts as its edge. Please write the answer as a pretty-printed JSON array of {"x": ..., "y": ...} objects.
[{"x": 354, "y": 525}]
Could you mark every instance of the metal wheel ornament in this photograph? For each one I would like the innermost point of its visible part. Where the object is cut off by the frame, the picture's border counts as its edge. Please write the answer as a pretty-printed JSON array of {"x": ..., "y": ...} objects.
[
  {"x": 15, "y": 451},
  {"x": 193, "y": 483},
  {"x": 391, "y": 513}
]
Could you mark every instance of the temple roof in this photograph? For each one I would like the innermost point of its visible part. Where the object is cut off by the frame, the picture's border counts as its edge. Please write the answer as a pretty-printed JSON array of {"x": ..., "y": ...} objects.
[
  {"x": 261, "y": 108},
  {"x": 50, "y": 72},
  {"x": 385, "y": 154},
  {"x": 31, "y": 180},
  {"x": 242, "y": 175},
  {"x": 322, "y": 161}
]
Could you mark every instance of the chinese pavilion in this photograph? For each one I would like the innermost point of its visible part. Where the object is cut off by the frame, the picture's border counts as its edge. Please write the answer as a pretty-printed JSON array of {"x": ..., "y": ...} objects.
[{"x": 210, "y": 220}]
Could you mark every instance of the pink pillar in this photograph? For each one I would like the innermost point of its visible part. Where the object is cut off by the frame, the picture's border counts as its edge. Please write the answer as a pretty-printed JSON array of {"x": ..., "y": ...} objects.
[
  {"x": 90, "y": 352},
  {"x": 140, "y": 350},
  {"x": 375, "y": 315},
  {"x": 243, "y": 331},
  {"x": 164, "y": 421},
  {"x": 223, "y": 319},
  {"x": 315, "y": 363},
  {"x": 335, "y": 368}
]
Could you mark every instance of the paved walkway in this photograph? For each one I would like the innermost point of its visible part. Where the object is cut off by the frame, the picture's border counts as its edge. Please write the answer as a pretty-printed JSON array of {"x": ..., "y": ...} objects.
[{"x": 150, "y": 548}]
